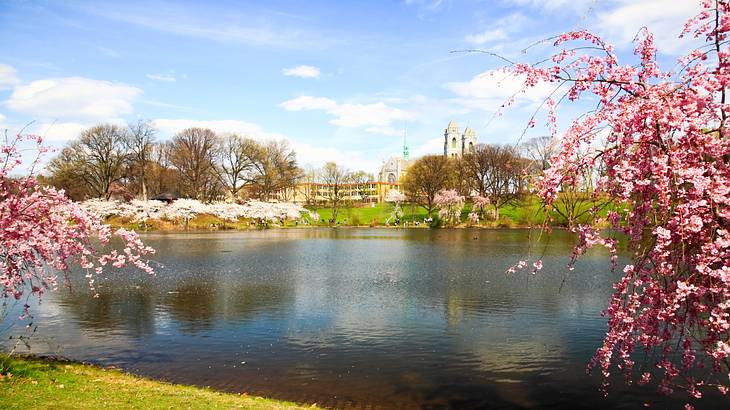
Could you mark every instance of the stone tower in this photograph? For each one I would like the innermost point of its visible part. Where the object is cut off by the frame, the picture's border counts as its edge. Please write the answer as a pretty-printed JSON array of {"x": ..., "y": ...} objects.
[
  {"x": 452, "y": 140},
  {"x": 468, "y": 141}
]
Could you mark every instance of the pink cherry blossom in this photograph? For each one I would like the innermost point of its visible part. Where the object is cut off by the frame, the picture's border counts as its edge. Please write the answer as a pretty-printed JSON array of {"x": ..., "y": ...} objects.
[
  {"x": 451, "y": 204},
  {"x": 666, "y": 165},
  {"x": 43, "y": 233}
]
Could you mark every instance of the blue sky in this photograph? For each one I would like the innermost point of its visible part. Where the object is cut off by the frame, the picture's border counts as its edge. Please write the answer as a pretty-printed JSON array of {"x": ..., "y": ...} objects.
[{"x": 340, "y": 80}]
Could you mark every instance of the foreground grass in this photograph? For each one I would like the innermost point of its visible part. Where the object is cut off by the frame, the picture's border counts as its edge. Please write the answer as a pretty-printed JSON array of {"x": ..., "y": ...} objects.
[{"x": 29, "y": 383}]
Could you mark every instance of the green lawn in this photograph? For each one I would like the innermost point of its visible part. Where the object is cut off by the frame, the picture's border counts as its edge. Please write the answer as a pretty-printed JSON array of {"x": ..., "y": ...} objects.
[
  {"x": 44, "y": 384},
  {"x": 527, "y": 212}
]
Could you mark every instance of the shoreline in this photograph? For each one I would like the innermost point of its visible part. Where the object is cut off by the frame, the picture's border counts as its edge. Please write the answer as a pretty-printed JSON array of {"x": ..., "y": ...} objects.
[{"x": 29, "y": 381}]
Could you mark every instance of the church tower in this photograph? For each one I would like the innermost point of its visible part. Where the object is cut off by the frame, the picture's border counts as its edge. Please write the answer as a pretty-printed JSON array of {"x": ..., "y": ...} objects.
[
  {"x": 468, "y": 141},
  {"x": 452, "y": 143}
]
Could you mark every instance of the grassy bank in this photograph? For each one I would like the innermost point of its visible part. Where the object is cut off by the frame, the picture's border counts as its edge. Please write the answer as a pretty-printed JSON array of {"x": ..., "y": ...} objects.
[
  {"x": 526, "y": 213},
  {"x": 29, "y": 383}
]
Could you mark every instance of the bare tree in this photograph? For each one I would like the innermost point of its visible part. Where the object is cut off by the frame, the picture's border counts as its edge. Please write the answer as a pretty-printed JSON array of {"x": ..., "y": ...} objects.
[
  {"x": 576, "y": 199},
  {"x": 192, "y": 154},
  {"x": 140, "y": 142},
  {"x": 309, "y": 179},
  {"x": 236, "y": 157},
  {"x": 96, "y": 159},
  {"x": 274, "y": 169},
  {"x": 497, "y": 172},
  {"x": 63, "y": 173},
  {"x": 539, "y": 150},
  {"x": 162, "y": 176},
  {"x": 335, "y": 177},
  {"x": 425, "y": 178}
]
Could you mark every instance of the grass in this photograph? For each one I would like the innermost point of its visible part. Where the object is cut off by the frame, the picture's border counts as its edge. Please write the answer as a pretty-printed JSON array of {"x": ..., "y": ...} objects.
[{"x": 32, "y": 383}]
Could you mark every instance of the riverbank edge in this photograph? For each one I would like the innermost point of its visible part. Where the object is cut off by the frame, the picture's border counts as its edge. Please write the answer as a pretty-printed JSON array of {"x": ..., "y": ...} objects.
[{"x": 49, "y": 382}]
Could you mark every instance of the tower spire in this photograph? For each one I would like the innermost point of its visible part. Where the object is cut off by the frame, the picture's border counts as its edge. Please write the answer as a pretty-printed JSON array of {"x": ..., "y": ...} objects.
[{"x": 405, "y": 144}]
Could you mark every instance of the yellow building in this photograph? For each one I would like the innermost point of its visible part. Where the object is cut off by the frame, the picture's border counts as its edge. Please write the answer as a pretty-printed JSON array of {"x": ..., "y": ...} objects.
[{"x": 371, "y": 192}]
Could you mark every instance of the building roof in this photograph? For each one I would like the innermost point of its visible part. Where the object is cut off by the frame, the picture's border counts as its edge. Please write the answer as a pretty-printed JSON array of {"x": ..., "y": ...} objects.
[
  {"x": 165, "y": 196},
  {"x": 469, "y": 132}
]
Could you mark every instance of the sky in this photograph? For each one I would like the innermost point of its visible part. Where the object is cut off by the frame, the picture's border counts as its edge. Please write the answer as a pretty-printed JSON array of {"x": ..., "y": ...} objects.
[{"x": 342, "y": 81}]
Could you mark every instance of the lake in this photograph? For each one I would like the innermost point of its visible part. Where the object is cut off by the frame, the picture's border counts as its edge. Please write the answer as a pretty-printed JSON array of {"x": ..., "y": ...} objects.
[{"x": 353, "y": 318}]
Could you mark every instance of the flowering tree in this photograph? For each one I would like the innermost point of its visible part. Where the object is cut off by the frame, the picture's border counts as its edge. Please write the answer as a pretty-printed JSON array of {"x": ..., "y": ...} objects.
[
  {"x": 42, "y": 232},
  {"x": 450, "y": 203},
  {"x": 396, "y": 198},
  {"x": 479, "y": 205},
  {"x": 186, "y": 209},
  {"x": 667, "y": 169}
]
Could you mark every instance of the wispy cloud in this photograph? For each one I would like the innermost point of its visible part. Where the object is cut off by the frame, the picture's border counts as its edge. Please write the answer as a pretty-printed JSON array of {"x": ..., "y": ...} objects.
[
  {"x": 8, "y": 77},
  {"x": 499, "y": 30},
  {"x": 622, "y": 23},
  {"x": 489, "y": 90},
  {"x": 226, "y": 26},
  {"x": 303, "y": 71},
  {"x": 162, "y": 77},
  {"x": 108, "y": 52},
  {"x": 426, "y": 9}
]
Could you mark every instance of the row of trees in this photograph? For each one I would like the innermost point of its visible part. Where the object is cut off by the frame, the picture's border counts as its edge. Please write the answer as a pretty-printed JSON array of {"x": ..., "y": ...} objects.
[
  {"x": 196, "y": 163},
  {"x": 109, "y": 160}
]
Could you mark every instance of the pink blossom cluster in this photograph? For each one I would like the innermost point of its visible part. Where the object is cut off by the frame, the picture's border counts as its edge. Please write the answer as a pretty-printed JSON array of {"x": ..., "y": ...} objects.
[
  {"x": 395, "y": 196},
  {"x": 479, "y": 203},
  {"x": 667, "y": 166},
  {"x": 43, "y": 233},
  {"x": 450, "y": 204}
]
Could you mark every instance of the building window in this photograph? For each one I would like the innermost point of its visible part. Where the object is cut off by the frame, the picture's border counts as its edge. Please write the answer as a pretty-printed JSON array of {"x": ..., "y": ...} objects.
[{"x": 453, "y": 143}]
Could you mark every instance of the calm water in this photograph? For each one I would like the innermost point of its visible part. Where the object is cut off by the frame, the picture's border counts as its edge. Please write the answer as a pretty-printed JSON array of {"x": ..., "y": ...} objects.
[{"x": 363, "y": 318}]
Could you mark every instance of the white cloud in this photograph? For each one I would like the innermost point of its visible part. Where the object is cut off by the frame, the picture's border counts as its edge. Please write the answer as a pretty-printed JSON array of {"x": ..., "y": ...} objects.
[
  {"x": 431, "y": 146},
  {"x": 499, "y": 30},
  {"x": 61, "y": 131},
  {"x": 389, "y": 131},
  {"x": 170, "y": 127},
  {"x": 316, "y": 156},
  {"x": 490, "y": 35},
  {"x": 8, "y": 77},
  {"x": 306, "y": 154},
  {"x": 490, "y": 89},
  {"x": 621, "y": 24},
  {"x": 350, "y": 115},
  {"x": 303, "y": 71},
  {"x": 73, "y": 97}
]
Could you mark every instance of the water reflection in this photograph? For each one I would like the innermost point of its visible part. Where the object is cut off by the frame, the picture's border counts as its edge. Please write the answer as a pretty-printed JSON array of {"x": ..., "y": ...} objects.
[{"x": 358, "y": 317}]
